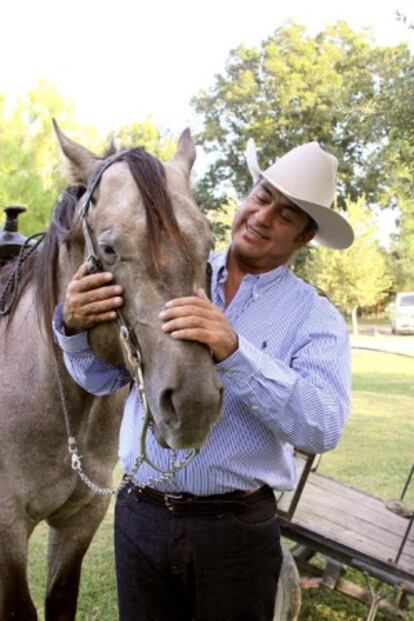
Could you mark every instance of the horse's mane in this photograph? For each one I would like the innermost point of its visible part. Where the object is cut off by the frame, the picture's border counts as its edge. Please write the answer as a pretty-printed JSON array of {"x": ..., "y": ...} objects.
[{"x": 41, "y": 267}]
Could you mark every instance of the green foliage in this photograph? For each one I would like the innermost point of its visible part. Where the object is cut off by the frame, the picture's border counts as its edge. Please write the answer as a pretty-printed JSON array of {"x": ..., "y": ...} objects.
[
  {"x": 146, "y": 134},
  {"x": 354, "y": 277},
  {"x": 401, "y": 195},
  {"x": 220, "y": 221},
  {"x": 31, "y": 171},
  {"x": 397, "y": 105},
  {"x": 337, "y": 87},
  {"x": 295, "y": 88}
]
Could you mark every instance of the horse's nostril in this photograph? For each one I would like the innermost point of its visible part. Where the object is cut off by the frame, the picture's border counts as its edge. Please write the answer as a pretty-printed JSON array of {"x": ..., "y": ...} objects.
[
  {"x": 186, "y": 413},
  {"x": 167, "y": 406}
]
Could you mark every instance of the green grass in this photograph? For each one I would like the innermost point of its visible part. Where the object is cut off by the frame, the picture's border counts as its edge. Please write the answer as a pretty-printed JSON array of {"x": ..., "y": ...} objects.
[{"x": 375, "y": 455}]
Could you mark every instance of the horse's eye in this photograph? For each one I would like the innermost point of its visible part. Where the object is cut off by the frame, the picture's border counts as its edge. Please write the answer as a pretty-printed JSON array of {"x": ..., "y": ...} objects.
[{"x": 108, "y": 253}]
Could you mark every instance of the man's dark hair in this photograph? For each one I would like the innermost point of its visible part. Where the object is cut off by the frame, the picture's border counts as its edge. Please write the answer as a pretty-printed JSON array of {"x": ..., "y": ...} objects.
[{"x": 311, "y": 226}]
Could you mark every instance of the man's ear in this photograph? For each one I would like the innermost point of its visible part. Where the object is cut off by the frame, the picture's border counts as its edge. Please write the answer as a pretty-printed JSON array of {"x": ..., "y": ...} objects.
[{"x": 304, "y": 238}]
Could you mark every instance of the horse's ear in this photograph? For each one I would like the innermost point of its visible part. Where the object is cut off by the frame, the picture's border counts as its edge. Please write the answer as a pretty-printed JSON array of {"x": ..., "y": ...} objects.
[
  {"x": 82, "y": 162},
  {"x": 186, "y": 152}
]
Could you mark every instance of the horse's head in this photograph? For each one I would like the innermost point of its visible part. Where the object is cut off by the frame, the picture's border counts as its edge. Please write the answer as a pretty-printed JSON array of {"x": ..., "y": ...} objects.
[{"x": 150, "y": 234}]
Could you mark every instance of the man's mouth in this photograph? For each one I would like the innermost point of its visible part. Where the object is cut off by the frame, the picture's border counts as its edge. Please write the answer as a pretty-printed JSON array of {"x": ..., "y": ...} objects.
[{"x": 255, "y": 232}]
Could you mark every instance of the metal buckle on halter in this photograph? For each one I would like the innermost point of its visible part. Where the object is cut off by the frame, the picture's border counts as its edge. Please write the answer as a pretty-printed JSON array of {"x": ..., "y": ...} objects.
[{"x": 93, "y": 264}]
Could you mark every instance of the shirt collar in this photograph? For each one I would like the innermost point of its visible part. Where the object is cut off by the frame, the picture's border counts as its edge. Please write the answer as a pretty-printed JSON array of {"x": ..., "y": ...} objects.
[{"x": 219, "y": 265}]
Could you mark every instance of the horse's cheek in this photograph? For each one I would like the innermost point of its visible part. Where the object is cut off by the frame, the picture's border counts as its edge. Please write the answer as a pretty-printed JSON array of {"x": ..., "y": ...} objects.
[{"x": 105, "y": 344}]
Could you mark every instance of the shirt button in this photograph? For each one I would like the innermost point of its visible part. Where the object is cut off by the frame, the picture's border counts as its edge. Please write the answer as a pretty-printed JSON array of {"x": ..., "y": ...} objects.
[
  {"x": 255, "y": 296},
  {"x": 228, "y": 373},
  {"x": 254, "y": 408}
]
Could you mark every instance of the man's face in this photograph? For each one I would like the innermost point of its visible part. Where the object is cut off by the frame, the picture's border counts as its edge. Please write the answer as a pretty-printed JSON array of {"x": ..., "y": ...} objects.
[{"x": 267, "y": 229}]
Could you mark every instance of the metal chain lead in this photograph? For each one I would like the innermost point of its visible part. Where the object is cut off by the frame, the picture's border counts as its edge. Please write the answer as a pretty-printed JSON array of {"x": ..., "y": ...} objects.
[
  {"x": 129, "y": 341},
  {"x": 165, "y": 476}
]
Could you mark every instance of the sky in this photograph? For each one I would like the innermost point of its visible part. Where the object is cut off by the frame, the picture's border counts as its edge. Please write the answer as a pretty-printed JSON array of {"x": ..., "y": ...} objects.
[{"x": 122, "y": 61}]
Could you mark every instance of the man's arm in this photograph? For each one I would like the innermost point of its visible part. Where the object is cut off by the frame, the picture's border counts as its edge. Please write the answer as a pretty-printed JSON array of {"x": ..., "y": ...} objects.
[
  {"x": 90, "y": 300},
  {"x": 305, "y": 402},
  {"x": 92, "y": 374}
]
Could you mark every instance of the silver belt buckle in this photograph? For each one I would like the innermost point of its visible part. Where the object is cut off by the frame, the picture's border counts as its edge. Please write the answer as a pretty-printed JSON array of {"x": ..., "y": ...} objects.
[{"x": 169, "y": 500}]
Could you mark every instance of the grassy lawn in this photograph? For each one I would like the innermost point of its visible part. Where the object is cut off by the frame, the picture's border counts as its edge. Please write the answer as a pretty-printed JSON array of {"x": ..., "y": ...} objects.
[{"x": 375, "y": 454}]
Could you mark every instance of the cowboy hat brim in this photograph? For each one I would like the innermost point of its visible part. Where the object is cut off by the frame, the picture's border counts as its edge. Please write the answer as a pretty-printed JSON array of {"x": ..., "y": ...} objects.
[{"x": 334, "y": 231}]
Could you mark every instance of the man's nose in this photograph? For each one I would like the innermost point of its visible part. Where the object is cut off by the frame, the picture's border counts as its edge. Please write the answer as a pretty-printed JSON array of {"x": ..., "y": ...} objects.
[{"x": 264, "y": 215}]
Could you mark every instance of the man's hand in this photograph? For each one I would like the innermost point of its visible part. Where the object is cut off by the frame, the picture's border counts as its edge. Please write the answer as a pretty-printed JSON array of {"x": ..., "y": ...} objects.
[
  {"x": 195, "y": 318},
  {"x": 90, "y": 300}
]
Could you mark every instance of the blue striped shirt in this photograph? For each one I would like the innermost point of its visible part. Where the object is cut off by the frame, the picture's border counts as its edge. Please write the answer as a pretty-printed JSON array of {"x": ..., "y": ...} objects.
[{"x": 287, "y": 385}]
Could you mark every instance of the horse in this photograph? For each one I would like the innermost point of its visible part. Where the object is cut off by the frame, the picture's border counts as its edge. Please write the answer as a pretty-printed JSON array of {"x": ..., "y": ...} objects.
[{"x": 151, "y": 235}]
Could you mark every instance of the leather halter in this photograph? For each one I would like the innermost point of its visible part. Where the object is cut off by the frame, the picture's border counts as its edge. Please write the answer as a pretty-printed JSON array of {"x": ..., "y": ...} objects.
[{"x": 128, "y": 336}]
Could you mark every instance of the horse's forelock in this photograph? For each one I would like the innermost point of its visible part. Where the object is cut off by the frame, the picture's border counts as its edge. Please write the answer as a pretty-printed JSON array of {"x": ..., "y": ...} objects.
[{"x": 150, "y": 177}]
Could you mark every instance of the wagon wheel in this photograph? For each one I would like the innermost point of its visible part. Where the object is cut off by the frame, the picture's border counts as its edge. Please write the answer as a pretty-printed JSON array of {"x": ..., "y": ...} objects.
[{"x": 288, "y": 599}]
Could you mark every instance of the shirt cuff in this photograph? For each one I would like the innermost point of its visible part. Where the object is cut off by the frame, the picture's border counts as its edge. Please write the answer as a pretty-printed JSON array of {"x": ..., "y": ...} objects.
[{"x": 71, "y": 344}]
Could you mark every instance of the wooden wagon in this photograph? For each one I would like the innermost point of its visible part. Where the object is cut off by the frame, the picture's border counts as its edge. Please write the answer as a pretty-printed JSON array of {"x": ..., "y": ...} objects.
[{"x": 349, "y": 528}]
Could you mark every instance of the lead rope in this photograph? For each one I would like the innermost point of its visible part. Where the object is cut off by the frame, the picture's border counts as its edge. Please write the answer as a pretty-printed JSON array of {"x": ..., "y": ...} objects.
[{"x": 76, "y": 457}]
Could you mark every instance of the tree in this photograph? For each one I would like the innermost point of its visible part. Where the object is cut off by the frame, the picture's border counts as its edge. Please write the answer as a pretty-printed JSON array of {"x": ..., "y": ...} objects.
[
  {"x": 31, "y": 172},
  {"x": 337, "y": 87},
  {"x": 398, "y": 177},
  {"x": 147, "y": 135},
  {"x": 355, "y": 277},
  {"x": 220, "y": 222}
]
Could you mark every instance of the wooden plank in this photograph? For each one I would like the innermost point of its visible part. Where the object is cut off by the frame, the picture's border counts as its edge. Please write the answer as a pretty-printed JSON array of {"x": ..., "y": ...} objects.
[
  {"x": 346, "y": 554},
  {"x": 345, "y": 530},
  {"x": 336, "y": 487},
  {"x": 352, "y": 514},
  {"x": 337, "y": 499},
  {"x": 359, "y": 521}
]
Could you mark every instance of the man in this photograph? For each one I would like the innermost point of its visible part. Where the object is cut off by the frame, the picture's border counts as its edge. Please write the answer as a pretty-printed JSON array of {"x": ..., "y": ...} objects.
[{"x": 206, "y": 545}]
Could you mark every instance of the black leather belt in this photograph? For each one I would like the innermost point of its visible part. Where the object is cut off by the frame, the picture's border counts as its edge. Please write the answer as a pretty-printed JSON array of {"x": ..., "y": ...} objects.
[{"x": 189, "y": 503}]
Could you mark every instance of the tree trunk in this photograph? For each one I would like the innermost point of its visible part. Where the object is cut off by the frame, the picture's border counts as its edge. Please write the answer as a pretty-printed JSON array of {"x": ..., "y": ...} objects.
[{"x": 354, "y": 320}]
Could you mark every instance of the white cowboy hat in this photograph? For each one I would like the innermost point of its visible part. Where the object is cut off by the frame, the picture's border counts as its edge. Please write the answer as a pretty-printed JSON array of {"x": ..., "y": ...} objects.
[{"x": 307, "y": 176}]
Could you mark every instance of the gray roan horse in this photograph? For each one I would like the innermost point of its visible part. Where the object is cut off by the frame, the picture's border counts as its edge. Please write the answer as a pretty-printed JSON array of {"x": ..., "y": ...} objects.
[{"x": 151, "y": 235}]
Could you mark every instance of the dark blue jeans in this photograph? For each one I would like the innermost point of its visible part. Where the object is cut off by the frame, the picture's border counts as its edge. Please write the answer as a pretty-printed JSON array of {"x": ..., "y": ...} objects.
[{"x": 214, "y": 567}]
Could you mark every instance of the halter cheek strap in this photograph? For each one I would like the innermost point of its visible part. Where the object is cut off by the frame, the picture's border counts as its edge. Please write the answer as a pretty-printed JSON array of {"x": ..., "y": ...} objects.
[{"x": 94, "y": 265}]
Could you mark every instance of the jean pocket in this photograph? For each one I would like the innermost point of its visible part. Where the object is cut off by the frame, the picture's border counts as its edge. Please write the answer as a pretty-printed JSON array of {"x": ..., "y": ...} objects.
[
  {"x": 256, "y": 516},
  {"x": 125, "y": 497}
]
